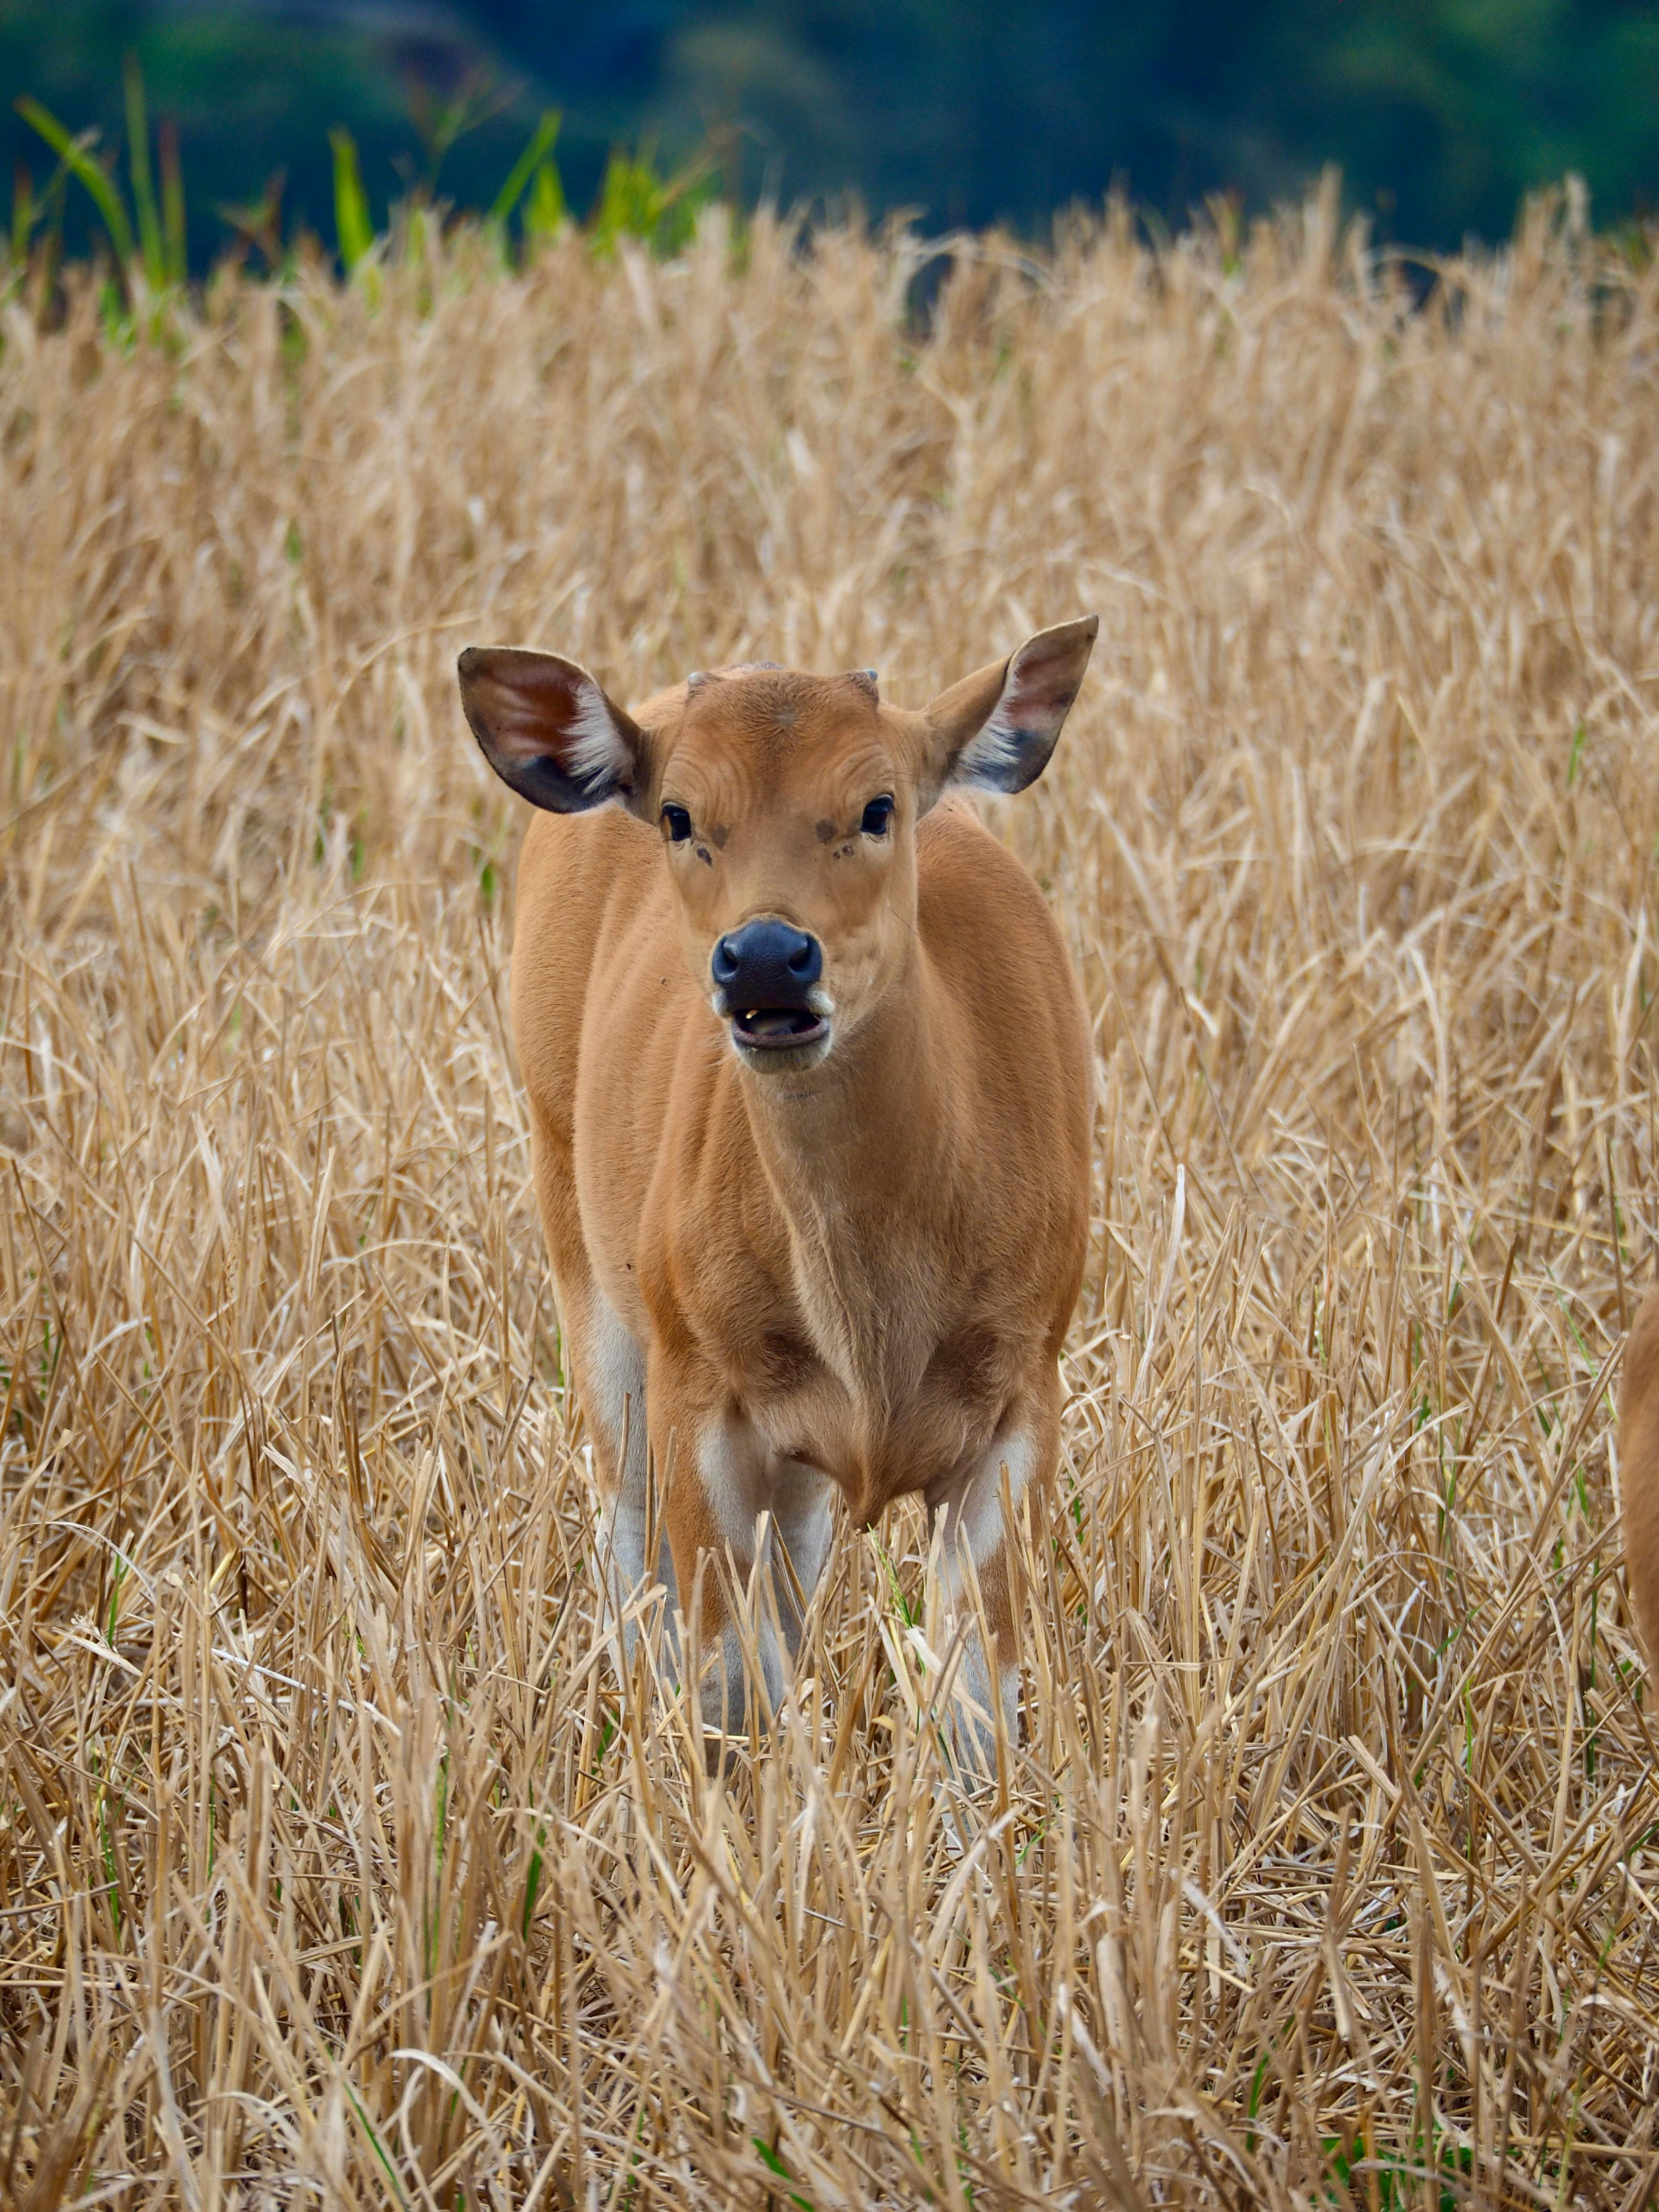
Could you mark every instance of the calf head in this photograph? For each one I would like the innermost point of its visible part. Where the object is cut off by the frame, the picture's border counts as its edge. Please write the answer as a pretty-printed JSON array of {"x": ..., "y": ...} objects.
[{"x": 786, "y": 805}]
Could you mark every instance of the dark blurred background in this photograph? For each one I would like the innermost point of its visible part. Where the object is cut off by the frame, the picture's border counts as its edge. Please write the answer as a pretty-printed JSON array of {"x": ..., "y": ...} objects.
[{"x": 1442, "y": 113}]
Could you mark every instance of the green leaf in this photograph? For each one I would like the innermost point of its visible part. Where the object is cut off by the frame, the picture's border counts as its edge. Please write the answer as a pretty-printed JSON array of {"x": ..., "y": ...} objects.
[
  {"x": 143, "y": 193},
  {"x": 636, "y": 202},
  {"x": 546, "y": 211},
  {"x": 352, "y": 226},
  {"x": 528, "y": 165},
  {"x": 533, "y": 1881},
  {"x": 77, "y": 160},
  {"x": 22, "y": 214},
  {"x": 630, "y": 201},
  {"x": 379, "y": 2147},
  {"x": 172, "y": 206},
  {"x": 770, "y": 2159},
  {"x": 1576, "y": 755}
]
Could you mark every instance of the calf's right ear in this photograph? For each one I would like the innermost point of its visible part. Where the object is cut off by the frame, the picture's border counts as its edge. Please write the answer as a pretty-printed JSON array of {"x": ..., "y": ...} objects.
[{"x": 548, "y": 729}]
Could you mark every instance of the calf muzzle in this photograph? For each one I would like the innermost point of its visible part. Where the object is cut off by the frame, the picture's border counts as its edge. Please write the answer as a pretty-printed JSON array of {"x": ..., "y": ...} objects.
[{"x": 767, "y": 975}]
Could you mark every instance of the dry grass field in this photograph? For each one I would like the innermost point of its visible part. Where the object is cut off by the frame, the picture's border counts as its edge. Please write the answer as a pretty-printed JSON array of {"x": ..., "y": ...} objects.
[{"x": 333, "y": 1868}]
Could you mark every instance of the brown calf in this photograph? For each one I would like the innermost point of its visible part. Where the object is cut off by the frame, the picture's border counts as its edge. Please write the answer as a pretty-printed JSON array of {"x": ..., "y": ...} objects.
[
  {"x": 1639, "y": 1470},
  {"x": 810, "y": 1104}
]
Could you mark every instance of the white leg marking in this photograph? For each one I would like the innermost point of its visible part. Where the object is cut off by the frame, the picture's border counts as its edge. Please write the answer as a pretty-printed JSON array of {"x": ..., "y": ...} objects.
[
  {"x": 804, "y": 1507},
  {"x": 725, "y": 1684},
  {"x": 612, "y": 1379},
  {"x": 622, "y": 1541},
  {"x": 971, "y": 1504},
  {"x": 969, "y": 1516},
  {"x": 732, "y": 1464},
  {"x": 734, "y": 1467}
]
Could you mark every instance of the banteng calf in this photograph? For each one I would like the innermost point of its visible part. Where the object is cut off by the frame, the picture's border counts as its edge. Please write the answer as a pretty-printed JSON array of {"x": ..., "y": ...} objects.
[{"x": 809, "y": 1100}]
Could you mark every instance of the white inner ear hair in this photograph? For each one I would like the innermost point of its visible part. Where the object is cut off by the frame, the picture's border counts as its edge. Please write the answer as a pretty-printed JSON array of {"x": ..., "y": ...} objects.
[
  {"x": 993, "y": 755},
  {"x": 595, "y": 751}
]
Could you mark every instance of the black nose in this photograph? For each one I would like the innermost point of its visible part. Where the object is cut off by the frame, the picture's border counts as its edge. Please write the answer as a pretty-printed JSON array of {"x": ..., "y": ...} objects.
[{"x": 767, "y": 964}]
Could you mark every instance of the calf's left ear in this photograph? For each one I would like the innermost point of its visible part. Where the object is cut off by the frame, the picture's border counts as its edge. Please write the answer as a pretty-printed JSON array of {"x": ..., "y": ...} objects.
[
  {"x": 548, "y": 729},
  {"x": 995, "y": 730}
]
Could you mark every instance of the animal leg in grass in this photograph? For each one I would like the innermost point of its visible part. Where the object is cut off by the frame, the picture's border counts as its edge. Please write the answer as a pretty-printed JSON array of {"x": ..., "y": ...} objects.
[
  {"x": 610, "y": 1371},
  {"x": 720, "y": 1485},
  {"x": 609, "y": 1366},
  {"x": 803, "y": 1527},
  {"x": 966, "y": 1517}
]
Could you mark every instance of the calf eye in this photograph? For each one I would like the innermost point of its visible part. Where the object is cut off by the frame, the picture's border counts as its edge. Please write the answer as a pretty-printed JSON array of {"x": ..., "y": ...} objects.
[
  {"x": 678, "y": 822},
  {"x": 878, "y": 815}
]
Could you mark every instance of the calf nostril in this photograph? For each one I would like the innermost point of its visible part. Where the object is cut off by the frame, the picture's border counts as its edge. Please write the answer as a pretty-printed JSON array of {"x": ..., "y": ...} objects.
[
  {"x": 726, "y": 962},
  {"x": 802, "y": 958}
]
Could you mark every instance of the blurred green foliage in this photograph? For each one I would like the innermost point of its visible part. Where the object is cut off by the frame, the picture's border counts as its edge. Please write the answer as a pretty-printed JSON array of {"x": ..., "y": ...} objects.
[
  {"x": 1442, "y": 113},
  {"x": 146, "y": 243},
  {"x": 253, "y": 95}
]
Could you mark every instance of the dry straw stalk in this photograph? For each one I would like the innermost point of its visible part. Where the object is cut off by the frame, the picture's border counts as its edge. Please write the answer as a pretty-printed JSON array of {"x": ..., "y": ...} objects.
[{"x": 332, "y": 1868}]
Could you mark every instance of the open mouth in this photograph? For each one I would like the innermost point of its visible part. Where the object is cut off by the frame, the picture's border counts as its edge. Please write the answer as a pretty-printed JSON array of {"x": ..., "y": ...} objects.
[{"x": 776, "y": 1029}]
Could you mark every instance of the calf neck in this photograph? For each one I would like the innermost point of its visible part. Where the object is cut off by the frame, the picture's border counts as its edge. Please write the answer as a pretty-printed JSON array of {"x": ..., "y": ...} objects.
[{"x": 810, "y": 1103}]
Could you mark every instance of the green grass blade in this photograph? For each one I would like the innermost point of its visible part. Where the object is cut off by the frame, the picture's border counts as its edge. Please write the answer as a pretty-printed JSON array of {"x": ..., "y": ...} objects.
[
  {"x": 630, "y": 201},
  {"x": 23, "y": 213},
  {"x": 144, "y": 192},
  {"x": 75, "y": 158},
  {"x": 546, "y": 212},
  {"x": 378, "y": 2146},
  {"x": 352, "y": 226},
  {"x": 775, "y": 2164},
  {"x": 526, "y": 165},
  {"x": 174, "y": 236}
]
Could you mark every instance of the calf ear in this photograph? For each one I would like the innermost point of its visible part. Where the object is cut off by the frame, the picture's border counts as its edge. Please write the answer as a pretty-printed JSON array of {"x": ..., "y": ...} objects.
[
  {"x": 548, "y": 729},
  {"x": 995, "y": 730}
]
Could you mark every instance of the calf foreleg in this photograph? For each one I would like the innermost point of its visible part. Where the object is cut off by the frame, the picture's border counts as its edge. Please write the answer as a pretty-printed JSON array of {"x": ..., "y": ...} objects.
[
  {"x": 720, "y": 1482},
  {"x": 803, "y": 1526},
  {"x": 971, "y": 1546},
  {"x": 610, "y": 1369}
]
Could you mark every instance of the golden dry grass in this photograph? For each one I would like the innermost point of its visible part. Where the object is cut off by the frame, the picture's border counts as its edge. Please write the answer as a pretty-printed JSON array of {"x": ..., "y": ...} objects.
[{"x": 1329, "y": 1871}]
